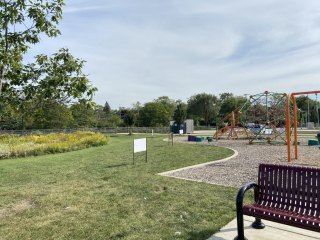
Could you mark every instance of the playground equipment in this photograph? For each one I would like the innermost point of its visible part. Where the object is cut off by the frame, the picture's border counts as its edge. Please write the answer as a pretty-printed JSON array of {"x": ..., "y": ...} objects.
[
  {"x": 264, "y": 115},
  {"x": 267, "y": 118},
  {"x": 261, "y": 119},
  {"x": 291, "y": 101},
  {"x": 233, "y": 130}
]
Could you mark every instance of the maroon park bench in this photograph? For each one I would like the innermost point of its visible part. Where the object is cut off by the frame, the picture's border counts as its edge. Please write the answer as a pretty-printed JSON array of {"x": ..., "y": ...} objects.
[{"x": 284, "y": 194}]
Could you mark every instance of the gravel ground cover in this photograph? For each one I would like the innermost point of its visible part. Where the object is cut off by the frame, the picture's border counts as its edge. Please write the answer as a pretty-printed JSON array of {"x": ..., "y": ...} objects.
[{"x": 244, "y": 167}]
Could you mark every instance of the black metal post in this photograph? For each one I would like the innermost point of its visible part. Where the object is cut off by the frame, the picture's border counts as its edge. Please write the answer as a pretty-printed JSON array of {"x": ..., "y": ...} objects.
[
  {"x": 239, "y": 205},
  {"x": 240, "y": 225}
]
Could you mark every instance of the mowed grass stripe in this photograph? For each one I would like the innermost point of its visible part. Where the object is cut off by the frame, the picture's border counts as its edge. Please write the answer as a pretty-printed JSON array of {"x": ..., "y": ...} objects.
[{"x": 97, "y": 193}]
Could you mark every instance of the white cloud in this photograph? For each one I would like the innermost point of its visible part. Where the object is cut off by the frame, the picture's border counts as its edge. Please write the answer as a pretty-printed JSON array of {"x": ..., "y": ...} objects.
[{"x": 139, "y": 50}]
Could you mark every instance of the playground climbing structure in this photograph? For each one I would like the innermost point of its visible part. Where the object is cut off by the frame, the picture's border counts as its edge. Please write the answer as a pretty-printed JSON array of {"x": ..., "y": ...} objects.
[
  {"x": 261, "y": 119},
  {"x": 264, "y": 115},
  {"x": 233, "y": 129}
]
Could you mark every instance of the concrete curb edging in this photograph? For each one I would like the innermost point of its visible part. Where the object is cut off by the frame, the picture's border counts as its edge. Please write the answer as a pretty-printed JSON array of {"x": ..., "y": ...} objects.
[{"x": 199, "y": 165}]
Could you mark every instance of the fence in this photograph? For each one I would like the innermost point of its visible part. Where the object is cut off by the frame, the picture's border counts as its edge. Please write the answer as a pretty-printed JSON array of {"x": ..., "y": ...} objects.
[{"x": 104, "y": 130}]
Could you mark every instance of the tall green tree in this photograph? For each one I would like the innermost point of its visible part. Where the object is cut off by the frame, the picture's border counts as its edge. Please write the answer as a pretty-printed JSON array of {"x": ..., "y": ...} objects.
[
  {"x": 168, "y": 103},
  {"x": 308, "y": 105},
  {"x": 107, "y": 108},
  {"x": 101, "y": 116},
  {"x": 48, "y": 115},
  {"x": 180, "y": 114},
  {"x": 229, "y": 103},
  {"x": 83, "y": 114},
  {"x": 10, "y": 117},
  {"x": 154, "y": 114},
  {"x": 21, "y": 24},
  {"x": 114, "y": 120},
  {"x": 128, "y": 116},
  {"x": 58, "y": 77},
  {"x": 136, "y": 107},
  {"x": 203, "y": 106}
]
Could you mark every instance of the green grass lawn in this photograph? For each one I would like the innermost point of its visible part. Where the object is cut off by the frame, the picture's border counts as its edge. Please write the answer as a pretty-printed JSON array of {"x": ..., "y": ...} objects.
[{"x": 97, "y": 193}]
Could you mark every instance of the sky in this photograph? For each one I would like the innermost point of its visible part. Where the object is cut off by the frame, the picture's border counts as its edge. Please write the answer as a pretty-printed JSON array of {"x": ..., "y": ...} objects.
[{"x": 139, "y": 50}]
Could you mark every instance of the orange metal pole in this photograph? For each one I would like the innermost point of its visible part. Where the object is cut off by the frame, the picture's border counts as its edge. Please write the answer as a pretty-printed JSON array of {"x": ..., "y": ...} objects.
[
  {"x": 288, "y": 126},
  {"x": 295, "y": 122},
  {"x": 288, "y": 123},
  {"x": 308, "y": 92},
  {"x": 233, "y": 121}
]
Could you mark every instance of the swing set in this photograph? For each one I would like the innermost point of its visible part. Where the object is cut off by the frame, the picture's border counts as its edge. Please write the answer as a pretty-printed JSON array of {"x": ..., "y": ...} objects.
[{"x": 291, "y": 100}]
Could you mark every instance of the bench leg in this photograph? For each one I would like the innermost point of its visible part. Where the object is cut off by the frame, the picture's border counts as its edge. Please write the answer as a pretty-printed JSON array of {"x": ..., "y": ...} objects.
[
  {"x": 240, "y": 226},
  {"x": 257, "y": 224}
]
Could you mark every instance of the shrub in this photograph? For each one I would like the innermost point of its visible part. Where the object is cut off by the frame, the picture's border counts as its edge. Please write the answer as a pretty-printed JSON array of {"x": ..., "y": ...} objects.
[{"x": 36, "y": 144}]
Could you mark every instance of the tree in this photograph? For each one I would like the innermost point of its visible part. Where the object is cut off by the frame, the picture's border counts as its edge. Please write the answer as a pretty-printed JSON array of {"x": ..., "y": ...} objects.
[
  {"x": 169, "y": 104},
  {"x": 154, "y": 114},
  {"x": 229, "y": 103},
  {"x": 21, "y": 24},
  {"x": 48, "y": 115},
  {"x": 114, "y": 120},
  {"x": 107, "y": 108},
  {"x": 180, "y": 114},
  {"x": 58, "y": 78},
  {"x": 136, "y": 107},
  {"x": 100, "y": 115},
  {"x": 83, "y": 114},
  {"x": 308, "y": 105},
  {"x": 128, "y": 116},
  {"x": 203, "y": 106},
  {"x": 224, "y": 96},
  {"x": 10, "y": 117}
]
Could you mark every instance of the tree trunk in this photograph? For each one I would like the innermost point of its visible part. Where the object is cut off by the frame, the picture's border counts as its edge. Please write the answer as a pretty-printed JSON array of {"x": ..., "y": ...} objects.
[{"x": 2, "y": 78}]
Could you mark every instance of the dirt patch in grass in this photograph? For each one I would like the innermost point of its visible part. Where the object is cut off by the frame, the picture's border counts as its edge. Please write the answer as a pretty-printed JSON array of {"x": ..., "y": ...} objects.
[{"x": 17, "y": 208}]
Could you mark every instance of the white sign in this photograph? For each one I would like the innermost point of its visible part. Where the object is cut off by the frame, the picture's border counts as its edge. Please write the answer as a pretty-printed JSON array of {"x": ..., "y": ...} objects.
[
  {"x": 140, "y": 145},
  {"x": 181, "y": 131}
]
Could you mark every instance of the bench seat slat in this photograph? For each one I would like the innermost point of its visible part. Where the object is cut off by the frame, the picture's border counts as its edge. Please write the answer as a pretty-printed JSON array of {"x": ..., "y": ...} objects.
[{"x": 283, "y": 216}]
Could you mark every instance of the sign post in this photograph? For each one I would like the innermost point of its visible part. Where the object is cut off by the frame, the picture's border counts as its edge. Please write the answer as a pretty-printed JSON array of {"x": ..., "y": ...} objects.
[
  {"x": 170, "y": 137},
  {"x": 140, "y": 145}
]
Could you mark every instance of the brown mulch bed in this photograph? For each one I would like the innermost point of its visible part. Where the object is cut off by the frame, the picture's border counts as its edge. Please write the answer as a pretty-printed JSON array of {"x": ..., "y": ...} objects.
[{"x": 244, "y": 167}]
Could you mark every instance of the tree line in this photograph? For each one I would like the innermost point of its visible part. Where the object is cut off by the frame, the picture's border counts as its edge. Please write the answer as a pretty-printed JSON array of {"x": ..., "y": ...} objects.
[
  {"x": 205, "y": 109},
  {"x": 52, "y": 114}
]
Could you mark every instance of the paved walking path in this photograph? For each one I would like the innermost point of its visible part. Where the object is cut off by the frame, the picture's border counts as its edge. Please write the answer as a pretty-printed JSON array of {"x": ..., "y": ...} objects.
[{"x": 272, "y": 231}]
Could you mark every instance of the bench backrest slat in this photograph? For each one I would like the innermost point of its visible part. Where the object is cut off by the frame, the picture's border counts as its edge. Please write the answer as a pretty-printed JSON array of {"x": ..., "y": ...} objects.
[{"x": 292, "y": 188}]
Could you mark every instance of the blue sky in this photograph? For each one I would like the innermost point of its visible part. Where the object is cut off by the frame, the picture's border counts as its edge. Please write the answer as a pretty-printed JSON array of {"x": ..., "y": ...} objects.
[{"x": 138, "y": 50}]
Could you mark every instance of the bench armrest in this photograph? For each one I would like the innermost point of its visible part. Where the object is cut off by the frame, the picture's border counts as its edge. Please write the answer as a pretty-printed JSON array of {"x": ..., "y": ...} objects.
[
  {"x": 239, "y": 204},
  {"x": 242, "y": 191}
]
